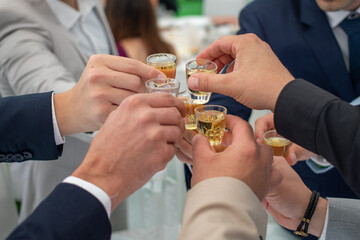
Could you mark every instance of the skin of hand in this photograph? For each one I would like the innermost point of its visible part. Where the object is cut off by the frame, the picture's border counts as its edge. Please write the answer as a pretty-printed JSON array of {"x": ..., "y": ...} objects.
[
  {"x": 184, "y": 148},
  {"x": 106, "y": 81},
  {"x": 136, "y": 141},
  {"x": 296, "y": 152},
  {"x": 287, "y": 202},
  {"x": 257, "y": 77},
  {"x": 243, "y": 159}
]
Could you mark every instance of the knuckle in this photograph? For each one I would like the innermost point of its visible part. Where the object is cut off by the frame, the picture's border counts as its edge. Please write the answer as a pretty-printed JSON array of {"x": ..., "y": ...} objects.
[
  {"x": 131, "y": 65},
  {"x": 147, "y": 117}
]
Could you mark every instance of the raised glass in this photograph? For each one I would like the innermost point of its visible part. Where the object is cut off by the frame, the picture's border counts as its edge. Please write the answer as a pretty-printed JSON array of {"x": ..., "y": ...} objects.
[
  {"x": 165, "y": 62},
  {"x": 168, "y": 85},
  {"x": 279, "y": 144},
  {"x": 211, "y": 121}
]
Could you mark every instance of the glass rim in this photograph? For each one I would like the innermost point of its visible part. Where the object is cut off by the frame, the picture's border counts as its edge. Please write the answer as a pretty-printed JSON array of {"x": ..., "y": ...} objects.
[
  {"x": 171, "y": 56},
  {"x": 173, "y": 80},
  {"x": 197, "y": 110},
  {"x": 194, "y": 60},
  {"x": 277, "y": 135}
]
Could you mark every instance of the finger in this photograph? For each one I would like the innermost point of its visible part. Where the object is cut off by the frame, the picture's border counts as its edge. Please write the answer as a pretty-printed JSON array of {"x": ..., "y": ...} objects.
[
  {"x": 242, "y": 132},
  {"x": 171, "y": 134},
  {"x": 168, "y": 116},
  {"x": 116, "y": 96},
  {"x": 189, "y": 135},
  {"x": 126, "y": 81},
  {"x": 131, "y": 66},
  {"x": 209, "y": 83},
  {"x": 201, "y": 148},
  {"x": 222, "y": 61},
  {"x": 218, "y": 48},
  {"x": 264, "y": 124},
  {"x": 183, "y": 157},
  {"x": 163, "y": 100},
  {"x": 185, "y": 147}
]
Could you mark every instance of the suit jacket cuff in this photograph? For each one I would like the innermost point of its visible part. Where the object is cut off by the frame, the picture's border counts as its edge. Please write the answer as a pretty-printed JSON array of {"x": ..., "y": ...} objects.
[
  {"x": 220, "y": 206},
  {"x": 297, "y": 111}
]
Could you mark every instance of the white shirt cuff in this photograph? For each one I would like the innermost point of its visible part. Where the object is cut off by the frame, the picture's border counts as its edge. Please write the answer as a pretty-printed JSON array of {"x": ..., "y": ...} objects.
[
  {"x": 323, "y": 234},
  {"x": 58, "y": 139},
  {"x": 93, "y": 189}
]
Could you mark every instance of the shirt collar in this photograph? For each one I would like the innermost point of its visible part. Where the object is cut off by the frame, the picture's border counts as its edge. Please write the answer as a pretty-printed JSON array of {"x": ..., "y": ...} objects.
[
  {"x": 68, "y": 16},
  {"x": 336, "y": 17}
]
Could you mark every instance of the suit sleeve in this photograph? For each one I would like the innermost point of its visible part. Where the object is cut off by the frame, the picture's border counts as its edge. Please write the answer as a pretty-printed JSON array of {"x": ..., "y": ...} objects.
[
  {"x": 69, "y": 212},
  {"x": 28, "y": 62},
  {"x": 223, "y": 208},
  {"x": 322, "y": 123},
  {"x": 343, "y": 219},
  {"x": 26, "y": 128}
]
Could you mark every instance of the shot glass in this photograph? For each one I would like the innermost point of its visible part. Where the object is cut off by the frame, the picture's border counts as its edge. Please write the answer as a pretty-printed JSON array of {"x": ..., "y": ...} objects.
[
  {"x": 279, "y": 144},
  {"x": 165, "y": 62},
  {"x": 168, "y": 85},
  {"x": 210, "y": 122},
  {"x": 191, "y": 102},
  {"x": 200, "y": 66}
]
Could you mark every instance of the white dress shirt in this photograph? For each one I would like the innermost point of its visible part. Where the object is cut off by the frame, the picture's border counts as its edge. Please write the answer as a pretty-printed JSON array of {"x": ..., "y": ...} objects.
[
  {"x": 89, "y": 33},
  {"x": 84, "y": 25}
]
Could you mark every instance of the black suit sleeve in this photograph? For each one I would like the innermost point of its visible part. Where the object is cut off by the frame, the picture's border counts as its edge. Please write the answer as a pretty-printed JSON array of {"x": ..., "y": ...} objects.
[
  {"x": 322, "y": 123},
  {"x": 26, "y": 128},
  {"x": 69, "y": 212}
]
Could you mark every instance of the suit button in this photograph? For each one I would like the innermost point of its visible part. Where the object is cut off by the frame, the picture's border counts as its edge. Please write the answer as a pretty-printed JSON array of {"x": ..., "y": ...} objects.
[
  {"x": 9, "y": 157},
  {"x": 18, "y": 158},
  {"x": 27, "y": 155},
  {"x": 2, "y": 158}
]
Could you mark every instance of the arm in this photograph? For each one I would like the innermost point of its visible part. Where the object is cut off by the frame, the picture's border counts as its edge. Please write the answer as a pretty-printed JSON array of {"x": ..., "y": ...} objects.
[
  {"x": 328, "y": 126},
  {"x": 121, "y": 158},
  {"x": 241, "y": 173},
  {"x": 27, "y": 129},
  {"x": 68, "y": 212}
]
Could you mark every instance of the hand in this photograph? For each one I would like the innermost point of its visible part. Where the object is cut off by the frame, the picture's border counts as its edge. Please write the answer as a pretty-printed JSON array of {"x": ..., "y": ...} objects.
[
  {"x": 137, "y": 140},
  {"x": 257, "y": 78},
  {"x": 296, "y": 152},
  {"x": 184, "y": 147},
  {"x": 105, "y": 83},
  {"x": 287, "y": 202},
  {"x": 244, "y": 158}
]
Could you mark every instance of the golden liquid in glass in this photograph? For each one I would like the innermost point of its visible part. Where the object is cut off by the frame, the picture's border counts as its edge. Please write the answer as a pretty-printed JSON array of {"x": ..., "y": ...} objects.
[
  {"x": 168, "y": 69},
  {"x": 190, "y": 105},
  {"x": 279, "y": 145},
  {"x": 211, "y": 124},
  {"x": 193, "y": 71}
]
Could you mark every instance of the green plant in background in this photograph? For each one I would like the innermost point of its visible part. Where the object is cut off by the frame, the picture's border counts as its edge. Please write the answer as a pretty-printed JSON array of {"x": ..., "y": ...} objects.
[{"x": 189, "y": 7}]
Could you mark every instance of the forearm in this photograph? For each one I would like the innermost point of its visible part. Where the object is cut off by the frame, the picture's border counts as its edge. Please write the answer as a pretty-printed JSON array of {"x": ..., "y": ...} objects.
[{"x": 322, "y": 123}]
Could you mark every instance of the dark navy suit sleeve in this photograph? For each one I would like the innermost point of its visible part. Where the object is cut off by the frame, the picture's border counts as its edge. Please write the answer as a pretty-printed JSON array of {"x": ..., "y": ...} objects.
[
  {"x": 26, "y": 128},
  {"x": 322, "y": 123},
  {"x": 69, "y": 212}
]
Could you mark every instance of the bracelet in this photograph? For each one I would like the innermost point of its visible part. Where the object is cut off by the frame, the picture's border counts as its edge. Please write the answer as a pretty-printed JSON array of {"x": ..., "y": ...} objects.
[{"x": 308, "y": 215}]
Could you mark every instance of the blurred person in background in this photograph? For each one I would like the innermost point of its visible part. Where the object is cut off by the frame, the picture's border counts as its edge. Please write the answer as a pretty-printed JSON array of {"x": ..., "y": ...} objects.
[
  {"x": 133, "y": 23},
  {"x": 44, "y": 46}
]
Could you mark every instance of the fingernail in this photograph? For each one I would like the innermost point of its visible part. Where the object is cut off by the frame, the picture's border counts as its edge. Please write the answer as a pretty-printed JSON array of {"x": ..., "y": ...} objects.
[
  {"x": 193, "y": 83},
  {"x": 258, "y": 140},
  {"x": 161, "y": 76},
  {"x": 195, "y": 139}
]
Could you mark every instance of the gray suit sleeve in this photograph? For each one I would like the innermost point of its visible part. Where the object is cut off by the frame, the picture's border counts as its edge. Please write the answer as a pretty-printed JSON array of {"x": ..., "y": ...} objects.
[
  {"x": 28, "y": 64},
  {"x": 343, "y": 219}
]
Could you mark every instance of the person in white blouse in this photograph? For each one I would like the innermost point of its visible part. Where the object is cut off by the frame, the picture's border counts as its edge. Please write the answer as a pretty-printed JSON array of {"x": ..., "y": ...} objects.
[{"x": 44, "y": 46}]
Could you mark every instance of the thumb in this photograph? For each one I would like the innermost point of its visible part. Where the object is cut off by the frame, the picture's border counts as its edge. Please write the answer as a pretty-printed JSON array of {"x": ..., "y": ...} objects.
[
  {"x": 209, "y": 83},
  {"x": 201, "y": 148}
]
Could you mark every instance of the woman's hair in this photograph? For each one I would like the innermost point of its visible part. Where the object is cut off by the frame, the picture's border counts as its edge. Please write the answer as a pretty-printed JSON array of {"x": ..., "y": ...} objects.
[{"x": 136, "y": 18}]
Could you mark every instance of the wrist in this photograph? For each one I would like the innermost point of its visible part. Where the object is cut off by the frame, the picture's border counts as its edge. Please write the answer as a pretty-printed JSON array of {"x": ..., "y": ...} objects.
[{"x": 318, "y": 220}]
